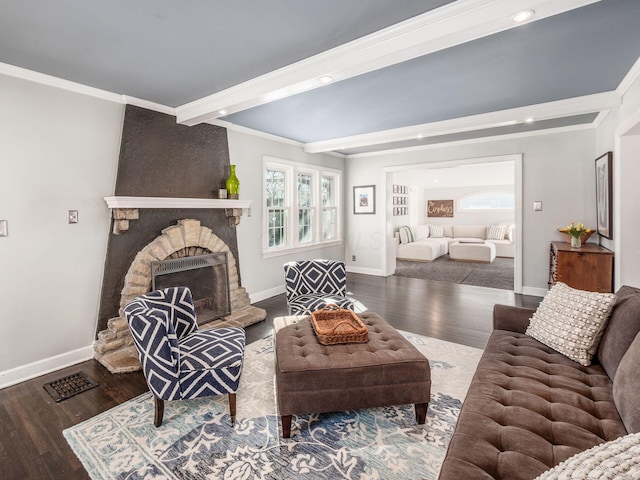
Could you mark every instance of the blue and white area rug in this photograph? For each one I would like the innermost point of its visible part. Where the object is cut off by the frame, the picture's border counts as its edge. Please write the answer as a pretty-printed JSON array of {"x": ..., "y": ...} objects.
[{"x": 196, "y": 440}]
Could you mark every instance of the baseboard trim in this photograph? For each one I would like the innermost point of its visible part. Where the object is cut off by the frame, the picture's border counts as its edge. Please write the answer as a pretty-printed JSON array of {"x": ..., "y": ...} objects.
[
  {"x": 263, "y": 295},
  {"x": 536, "y": 292},
  {"x": 44, "y": 366},
  {"x": 365, "y": 271}
]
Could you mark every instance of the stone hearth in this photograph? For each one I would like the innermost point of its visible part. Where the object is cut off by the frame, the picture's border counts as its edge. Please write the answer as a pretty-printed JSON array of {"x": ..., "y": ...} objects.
[{"x": 114, "y": 347}]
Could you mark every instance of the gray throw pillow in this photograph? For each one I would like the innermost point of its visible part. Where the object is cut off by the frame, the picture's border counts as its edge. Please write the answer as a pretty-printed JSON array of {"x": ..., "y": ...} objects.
[{"x": 626, "y": 387}]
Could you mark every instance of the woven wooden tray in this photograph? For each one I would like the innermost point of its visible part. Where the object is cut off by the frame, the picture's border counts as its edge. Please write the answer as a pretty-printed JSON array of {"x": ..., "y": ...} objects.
[{"x": 334, "y": 325}]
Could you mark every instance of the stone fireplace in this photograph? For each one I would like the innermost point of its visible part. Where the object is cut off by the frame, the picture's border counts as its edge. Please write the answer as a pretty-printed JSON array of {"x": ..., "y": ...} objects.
[
  {"x": 114, "y": 346},
  {"x": 165, "y": 207}
]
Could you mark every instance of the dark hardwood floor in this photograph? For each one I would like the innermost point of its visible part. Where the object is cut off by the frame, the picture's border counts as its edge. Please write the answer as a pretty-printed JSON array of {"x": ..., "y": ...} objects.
[{"x": 31, "y": 423}]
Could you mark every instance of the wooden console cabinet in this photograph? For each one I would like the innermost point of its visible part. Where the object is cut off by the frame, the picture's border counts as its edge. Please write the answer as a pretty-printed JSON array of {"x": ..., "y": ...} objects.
[{"x": 587, "y": 268}]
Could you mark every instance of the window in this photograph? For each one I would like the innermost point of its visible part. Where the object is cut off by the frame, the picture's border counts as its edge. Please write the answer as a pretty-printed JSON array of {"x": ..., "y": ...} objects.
[
  {"x": 305, "y": 208},
  {"x": 329, "y": 208},
  {"x": 277, "y": 212},
  {"x": 487, "y": 201},
  {"x": 301, "y": 205}
]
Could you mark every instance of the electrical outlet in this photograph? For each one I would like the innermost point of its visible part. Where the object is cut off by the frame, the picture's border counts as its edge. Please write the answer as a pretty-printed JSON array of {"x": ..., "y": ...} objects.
[
  {"x": 353, "y": 258},
  {"x": 73, "y": 216},
  {"x": 4, "y": 228}
]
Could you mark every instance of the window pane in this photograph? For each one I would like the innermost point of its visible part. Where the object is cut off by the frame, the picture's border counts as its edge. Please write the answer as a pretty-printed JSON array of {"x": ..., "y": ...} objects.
[
  {"x": 302, "y": 205},
  {"x": 305, "y": 225},
  {"x": 277, "y": 230},
  {"x": 304, "y": 191},
  {"x": 327, "y": 192},
  {"x": 328, "y": 223},
  {"x": 488, "y": 201},
  {"x": 275, "y": 188}
]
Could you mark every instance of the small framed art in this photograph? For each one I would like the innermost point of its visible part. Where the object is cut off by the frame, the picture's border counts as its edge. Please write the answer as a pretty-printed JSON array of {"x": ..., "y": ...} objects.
[
  {"x": 604, "y": 194},
  {"x": 364, "y": 199}
]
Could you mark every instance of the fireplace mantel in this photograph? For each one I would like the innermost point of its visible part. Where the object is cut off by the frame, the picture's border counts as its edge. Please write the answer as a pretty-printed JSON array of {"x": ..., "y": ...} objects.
[
  {"x": 164, "y": 202},
  {"x": 125, "y": 209}
]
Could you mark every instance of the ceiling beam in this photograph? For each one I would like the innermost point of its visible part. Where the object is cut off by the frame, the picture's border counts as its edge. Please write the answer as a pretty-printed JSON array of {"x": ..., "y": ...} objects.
[
  {"x": 544, "y": 111},
  {"x": 452, "y": 24}
]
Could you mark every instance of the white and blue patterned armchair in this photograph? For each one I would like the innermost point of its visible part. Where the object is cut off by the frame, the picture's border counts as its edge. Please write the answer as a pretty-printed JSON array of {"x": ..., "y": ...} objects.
[
  {"x": 312, "y": 284},
  {"x": 178, "y": 360}
]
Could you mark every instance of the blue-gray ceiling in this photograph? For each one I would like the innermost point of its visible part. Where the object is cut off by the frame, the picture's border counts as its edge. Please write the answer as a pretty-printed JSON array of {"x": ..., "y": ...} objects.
[
  {"x": 171, "y": 53},
  {"x": 584, "y": 51}
]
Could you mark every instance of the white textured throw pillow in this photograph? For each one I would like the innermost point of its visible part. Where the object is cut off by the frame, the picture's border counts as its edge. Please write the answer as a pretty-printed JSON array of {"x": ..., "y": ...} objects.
[
  {"x": 572, "y": 321},
  {"x": 406, "y": 235},
  {"x": 618, "y": 459},
  {"x": 421, "y": 232},
  {"x": 436, "y": 231},
  {"x": 496, "y": 232}
]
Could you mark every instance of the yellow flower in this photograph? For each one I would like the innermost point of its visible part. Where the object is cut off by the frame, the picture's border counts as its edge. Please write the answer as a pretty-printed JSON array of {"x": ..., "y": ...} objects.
[{"x": 576, "y": 230}]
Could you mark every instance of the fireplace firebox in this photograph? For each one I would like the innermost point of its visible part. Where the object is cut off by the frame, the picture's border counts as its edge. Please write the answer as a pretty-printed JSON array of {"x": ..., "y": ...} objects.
[{"x": 207, "y": 276}]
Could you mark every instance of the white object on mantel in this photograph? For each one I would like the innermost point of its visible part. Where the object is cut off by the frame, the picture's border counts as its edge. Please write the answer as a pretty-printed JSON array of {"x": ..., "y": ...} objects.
[
  {"x": 126, "y": 208},
  {"x": 165, "y": 202}
]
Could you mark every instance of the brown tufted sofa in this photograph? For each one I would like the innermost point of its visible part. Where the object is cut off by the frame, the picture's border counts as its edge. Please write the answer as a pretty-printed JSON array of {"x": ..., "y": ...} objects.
[{"x": 530, "y": 408}]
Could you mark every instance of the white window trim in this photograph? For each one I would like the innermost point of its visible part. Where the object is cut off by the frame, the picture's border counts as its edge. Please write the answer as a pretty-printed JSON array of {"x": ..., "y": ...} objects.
[{"x": 292, "y": 169}]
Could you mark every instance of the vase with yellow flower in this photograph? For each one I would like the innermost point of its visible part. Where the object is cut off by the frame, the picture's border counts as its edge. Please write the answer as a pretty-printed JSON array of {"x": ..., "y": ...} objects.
[{"x": 578, "y": 233}]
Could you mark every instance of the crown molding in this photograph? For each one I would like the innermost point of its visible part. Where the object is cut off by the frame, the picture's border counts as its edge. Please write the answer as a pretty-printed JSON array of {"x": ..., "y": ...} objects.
[
  {"x": 51, "y": 81},
  {"x": 629, "y": 78},
  {"x": 600, "y": 118},
  {"x": 157, "y": 107},
  {"x": 61, "y": 83},
  {"x": 542, "y": 111},
  {"x": 253, "y": 132},
  {"x": 471, "y": 141},
  {"x": 266, "y": 136},
  {"x": 444, "y": 27}
]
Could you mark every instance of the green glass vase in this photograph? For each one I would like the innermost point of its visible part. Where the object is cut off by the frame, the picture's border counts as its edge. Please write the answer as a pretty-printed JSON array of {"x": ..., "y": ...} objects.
[{"x": 233, "y": 184}]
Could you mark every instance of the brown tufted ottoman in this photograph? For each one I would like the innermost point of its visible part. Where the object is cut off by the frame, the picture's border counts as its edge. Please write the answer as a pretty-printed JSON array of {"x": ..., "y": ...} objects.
[{"x": 314, "y": 378}]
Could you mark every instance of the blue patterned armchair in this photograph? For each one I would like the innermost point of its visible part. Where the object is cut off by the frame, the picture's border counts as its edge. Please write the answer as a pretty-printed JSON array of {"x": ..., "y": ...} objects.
[
  {"x": 312, "y": 284},
  {"x": 178, "y": 360}
]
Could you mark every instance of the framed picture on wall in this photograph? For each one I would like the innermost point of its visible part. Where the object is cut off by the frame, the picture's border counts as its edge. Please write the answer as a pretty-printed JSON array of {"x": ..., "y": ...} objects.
[
  {"x": 364, "y": 199},
  {"x": 604, "y": 194},
  {"x": 440, "y": 208}
]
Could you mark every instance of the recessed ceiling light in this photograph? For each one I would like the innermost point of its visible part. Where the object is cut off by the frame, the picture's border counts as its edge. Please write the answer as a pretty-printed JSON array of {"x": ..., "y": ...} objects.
[
  {"x": 522, "y": 16},
  {"x": 420, "y": 136},
  {"x": 528, "y": 120},
  {"x": 326, "y": 79},
  {"x": 222, "y": 112}
]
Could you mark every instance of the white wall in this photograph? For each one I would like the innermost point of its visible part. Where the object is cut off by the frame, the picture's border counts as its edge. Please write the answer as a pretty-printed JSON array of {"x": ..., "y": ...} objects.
[
  {"x": 264, "y": 277},
  {"x": 59, "y": 151},
  {"x": 557, "y": 170},
  {"x": 620, "y": 133}
]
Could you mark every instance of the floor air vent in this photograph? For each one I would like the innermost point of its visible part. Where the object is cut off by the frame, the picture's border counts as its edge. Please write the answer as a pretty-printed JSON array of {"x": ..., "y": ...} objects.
[{"x": 69, "y": 386}]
